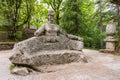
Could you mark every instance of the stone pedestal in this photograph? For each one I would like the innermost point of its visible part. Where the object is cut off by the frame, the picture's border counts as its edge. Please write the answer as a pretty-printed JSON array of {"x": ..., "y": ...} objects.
[
  {"x": 43, "y": 58},
  {"x": 110, "y": 45},
  {"x": 47, "y": 50}
]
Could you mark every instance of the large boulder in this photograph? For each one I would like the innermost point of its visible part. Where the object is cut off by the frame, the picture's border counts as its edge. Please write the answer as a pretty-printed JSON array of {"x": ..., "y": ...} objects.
[
  {"x": 47, "y": 58},
  {"x": 47, "y": 50},
  {"x": 35, "y": 44}
]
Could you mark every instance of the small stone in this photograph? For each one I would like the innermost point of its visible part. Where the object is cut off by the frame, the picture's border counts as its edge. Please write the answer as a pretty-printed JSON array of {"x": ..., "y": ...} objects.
[{"x": 23, "y": 71}]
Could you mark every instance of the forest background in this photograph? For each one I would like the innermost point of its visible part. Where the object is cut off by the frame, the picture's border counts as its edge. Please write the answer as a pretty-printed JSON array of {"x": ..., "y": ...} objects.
[{"x": 84, "y": 18}]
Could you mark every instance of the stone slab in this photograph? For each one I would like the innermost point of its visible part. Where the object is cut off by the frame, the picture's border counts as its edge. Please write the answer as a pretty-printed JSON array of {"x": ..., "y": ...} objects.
[
  {"x": 36, "y": 44},
  {"x": 48, "y": 58}
]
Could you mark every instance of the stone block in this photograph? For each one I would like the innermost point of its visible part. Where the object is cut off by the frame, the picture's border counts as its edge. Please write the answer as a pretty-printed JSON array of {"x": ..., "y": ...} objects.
[
  {"x": 48, "y": 58},
  {"x": 110, "y": 45}
]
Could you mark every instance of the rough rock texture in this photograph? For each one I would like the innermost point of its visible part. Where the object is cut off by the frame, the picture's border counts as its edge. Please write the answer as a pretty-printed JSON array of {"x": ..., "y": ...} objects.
[
  {"x": 23, "y": 71},
  {"x": 111, "y": 28},
  {"x": 47, "y": 58},
  {"x": 47, "y": 50},
  {"x": 36, "y": 44},
  {"x": 29, "y": 32}
]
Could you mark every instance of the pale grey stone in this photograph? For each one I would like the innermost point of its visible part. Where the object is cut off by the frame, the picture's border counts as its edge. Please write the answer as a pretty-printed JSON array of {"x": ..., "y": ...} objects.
[
  {"x": 23, "y": 71},
  {"x": 48, "y": 58},
  {"x": 35, "y": 44},
  {"x": 110, "y": 45},
  {"x": 111, "y": 28}
]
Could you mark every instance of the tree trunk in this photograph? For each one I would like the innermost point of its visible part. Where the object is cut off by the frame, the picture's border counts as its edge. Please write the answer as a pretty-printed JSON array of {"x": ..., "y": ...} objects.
[
  {"x": 118, "y": 14},
  {"x": 57, "y": 17},
  {"x": 101, "y": 26},
  {"x": 76, "y": 16}
]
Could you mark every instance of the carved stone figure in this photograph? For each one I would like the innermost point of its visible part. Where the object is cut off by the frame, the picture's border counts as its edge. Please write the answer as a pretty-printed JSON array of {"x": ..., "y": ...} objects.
[
  {"x": 50, "y": 46},
  {"x": 110, "y": 40},
  {"x": 51, "y": 29}
]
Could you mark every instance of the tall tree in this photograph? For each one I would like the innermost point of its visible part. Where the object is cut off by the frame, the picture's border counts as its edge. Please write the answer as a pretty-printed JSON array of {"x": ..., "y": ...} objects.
[
  {"x": 100, "y": 22},
  {"x": 39, "y": 15},
  {"x": 118, "y": 14},
  {"x": 71, "y": 16},
  {"x": 16, "y": 13}
]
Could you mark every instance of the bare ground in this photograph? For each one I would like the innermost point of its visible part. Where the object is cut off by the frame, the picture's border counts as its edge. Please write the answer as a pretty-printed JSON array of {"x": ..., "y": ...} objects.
[{"x": 101, "y": 66}]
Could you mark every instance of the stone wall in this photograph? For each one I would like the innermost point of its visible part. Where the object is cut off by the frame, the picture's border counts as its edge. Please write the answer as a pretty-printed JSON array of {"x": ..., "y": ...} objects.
[
  {"x": 4, "y": 41},
  {"x": 29, "y": 32},
  {"x": 3, "y": 36},
  {"x": 6, "y": 45}
]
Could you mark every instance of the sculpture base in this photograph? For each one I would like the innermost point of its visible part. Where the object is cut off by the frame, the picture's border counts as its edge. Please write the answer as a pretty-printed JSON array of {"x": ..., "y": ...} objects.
[{"x": 42, "y": 58}]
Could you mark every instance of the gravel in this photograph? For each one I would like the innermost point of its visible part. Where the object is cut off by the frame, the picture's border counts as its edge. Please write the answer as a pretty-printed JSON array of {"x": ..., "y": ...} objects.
[{"x": 100, "y": 66}]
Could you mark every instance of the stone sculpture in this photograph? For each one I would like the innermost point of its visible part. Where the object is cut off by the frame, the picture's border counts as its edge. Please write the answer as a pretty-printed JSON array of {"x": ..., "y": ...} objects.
[
  {"x": 110, "y": 40},
  {"x": 50, "y": 46}
]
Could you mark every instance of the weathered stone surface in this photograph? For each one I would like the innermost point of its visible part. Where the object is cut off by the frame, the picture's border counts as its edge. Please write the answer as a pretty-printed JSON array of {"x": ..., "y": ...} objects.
[
  {"x": 110, "y": 45},
  {"x": 47, "y": 50},
  {"x": 110, "y": 39},
  {"x": 23, "y": 71},
  {"x": 28, "y": 32},
  {"x": 35, "y": 44},
  {"x": 48, "y": 58},
  {"x": 75, "y": 45},
  {"x": 111, "y": 28}
]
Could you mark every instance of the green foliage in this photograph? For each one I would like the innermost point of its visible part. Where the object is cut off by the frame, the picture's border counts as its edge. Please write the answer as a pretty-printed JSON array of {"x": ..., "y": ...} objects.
[
  {"x": 88, "y": 18},
  {"x": 80, "y": 22},
  {"x": 71, "y": 16},
  {"x": 40, "y": 15},
  {"x": 15, "y": 14},
  {"x": 78, "y": 17},
  {"x": 11, "y": 67},
  {"x": 56, "y": 5}
]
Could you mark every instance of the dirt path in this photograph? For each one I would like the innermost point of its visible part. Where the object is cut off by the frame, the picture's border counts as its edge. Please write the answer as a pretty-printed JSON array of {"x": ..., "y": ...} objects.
[{"x": 100, "y": 67}]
